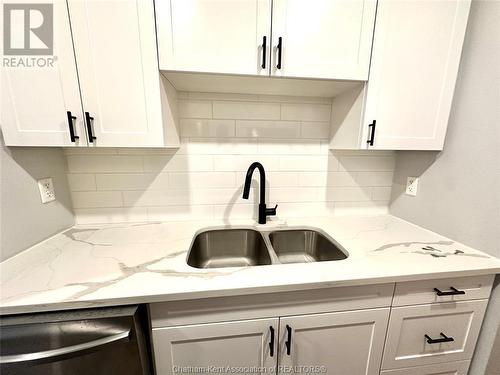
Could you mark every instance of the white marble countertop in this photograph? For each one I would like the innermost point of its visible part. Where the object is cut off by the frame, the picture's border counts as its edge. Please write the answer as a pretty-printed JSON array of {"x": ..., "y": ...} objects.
[{"x": 102, "y": 265}]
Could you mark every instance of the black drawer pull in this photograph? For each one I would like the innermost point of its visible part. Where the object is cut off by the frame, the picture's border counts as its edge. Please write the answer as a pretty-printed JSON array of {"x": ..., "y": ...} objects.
[
  {"x": 72, "y": 135},
  {"x": 453, "y": 292},
  {"x": 88, "y": 120},
  {"x": 288, "y": 342},
  {"x": 271, "y": 342},
  {"x": 371, "y": 137},
  {"x": 280, "y": 46},
  {"x": 264, "y": 50},
  {"x": 438, "y": 341}
]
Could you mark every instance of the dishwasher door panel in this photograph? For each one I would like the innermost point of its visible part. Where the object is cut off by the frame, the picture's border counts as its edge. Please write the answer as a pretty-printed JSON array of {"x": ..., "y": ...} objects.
[{"x": 96, "y": 342}]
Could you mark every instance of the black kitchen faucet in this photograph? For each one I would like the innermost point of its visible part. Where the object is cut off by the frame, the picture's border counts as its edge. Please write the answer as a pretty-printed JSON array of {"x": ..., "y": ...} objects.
[{"x": 263, "y": 211}]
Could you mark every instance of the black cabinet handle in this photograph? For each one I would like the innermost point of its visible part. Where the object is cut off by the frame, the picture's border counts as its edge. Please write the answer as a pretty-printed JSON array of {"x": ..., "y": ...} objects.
[
  {"x": 280, "y": 45},
  {"x": 88, "y": 120},
  {"x": 453, "y": 292},
  {"x": 288, "y": 342},
  {"x": 371, "y": 138},
  {"x": 443, "y": 338},
  {"x": 271, "y": 342},
  {"x": 72, "y": 135},
  {"x": 264, "y": 50}
]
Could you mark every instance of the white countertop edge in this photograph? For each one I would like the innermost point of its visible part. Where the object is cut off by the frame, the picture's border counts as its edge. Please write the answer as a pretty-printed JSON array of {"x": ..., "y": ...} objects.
[{"x": 170, "y": 297}]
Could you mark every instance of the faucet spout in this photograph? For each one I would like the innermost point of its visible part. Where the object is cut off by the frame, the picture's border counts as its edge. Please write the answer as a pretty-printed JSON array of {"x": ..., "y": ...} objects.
[
  {"x": 248, "y": 181},
  {"x": 263, "y": 211}
]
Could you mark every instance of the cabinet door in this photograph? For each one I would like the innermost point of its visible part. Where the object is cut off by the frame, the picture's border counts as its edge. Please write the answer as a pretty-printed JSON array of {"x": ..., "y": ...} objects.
[
  {"x": 415, "y": 59},
  {"x": 324, "y": 38},
  {"x": 341, "y": 343},
  {"x": 234, "y": 345},
  {"x": 115, "y": 47},
  {"x": 35, "y": 100},
  {"x": 216, "y": 36}
]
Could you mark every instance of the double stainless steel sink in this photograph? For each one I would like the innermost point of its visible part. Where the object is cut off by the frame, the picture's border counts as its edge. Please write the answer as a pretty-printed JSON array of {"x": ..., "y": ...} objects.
[{"x": 243, "y": 247}]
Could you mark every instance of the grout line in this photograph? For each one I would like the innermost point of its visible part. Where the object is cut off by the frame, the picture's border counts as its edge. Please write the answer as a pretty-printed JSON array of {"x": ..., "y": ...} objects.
[
  {"x": 233, "y": 186},
  {"x": 314, "y": 202}
]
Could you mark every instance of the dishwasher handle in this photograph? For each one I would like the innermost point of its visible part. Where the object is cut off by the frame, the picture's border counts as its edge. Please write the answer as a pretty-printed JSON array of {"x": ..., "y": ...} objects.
[{"x": 66, "y": 352}]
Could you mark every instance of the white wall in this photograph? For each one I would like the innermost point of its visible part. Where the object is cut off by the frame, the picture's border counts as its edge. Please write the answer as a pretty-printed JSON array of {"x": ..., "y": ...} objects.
[
  {"x": 221, "y": 136},
  {"x": 459, "y": 190},
  {"x": 24, "y": 220}
]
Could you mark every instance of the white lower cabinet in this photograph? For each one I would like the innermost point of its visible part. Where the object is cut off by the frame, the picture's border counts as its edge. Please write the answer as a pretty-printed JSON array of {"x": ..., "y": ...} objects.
[
  {"x": 443, "y": 290},
  {"x": 224, "y": 347},
  {"x": 349, "y": 342},
  {"x": 449, "y": 368},
  {"x": 433, "y": 333},
  {"x": 334, "y": 331}
]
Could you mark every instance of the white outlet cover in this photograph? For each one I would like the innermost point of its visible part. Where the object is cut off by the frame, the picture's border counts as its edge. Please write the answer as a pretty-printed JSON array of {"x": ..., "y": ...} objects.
[
  {"x": 412, "y": 186},
  {"x": 46, "y": 188}
]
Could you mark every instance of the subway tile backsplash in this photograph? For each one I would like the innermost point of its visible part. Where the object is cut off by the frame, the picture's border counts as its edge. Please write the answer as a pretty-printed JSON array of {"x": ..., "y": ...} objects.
[{"x": 221, "y": 134}]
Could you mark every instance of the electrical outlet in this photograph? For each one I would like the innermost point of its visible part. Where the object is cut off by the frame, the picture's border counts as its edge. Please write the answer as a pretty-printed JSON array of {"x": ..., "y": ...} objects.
[
  {"x": 46, "y": 188},
  {"x": 411, "y": 186}
]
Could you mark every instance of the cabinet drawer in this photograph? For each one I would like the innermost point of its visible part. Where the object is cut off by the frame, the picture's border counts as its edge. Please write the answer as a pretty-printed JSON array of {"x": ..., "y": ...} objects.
[
  {"x": 450, "y": 368},
  {"x": 420, "y": 292},
  {"x": 407, "y": 344}
]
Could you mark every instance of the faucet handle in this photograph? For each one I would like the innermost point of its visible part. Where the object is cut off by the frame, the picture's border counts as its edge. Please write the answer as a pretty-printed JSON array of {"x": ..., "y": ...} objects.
[{"x": 271, "y": 211}]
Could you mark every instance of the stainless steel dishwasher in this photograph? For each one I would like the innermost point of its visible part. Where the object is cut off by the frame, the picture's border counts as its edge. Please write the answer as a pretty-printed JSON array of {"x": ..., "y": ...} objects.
[{"x": 94, "y": 341}]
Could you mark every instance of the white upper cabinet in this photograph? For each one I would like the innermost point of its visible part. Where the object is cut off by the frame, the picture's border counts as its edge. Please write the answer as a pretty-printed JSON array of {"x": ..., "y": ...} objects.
[
  {"x": 329, "y": 39},
  {"x": 115, "y": 48},
  {"x": 215, "y": 36},
  {"x": 35, "y": 101},
  {"x": 111, "y": 96},
  {"x": 105, "y": 88},
  {"x": 416, "y": 54}
]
